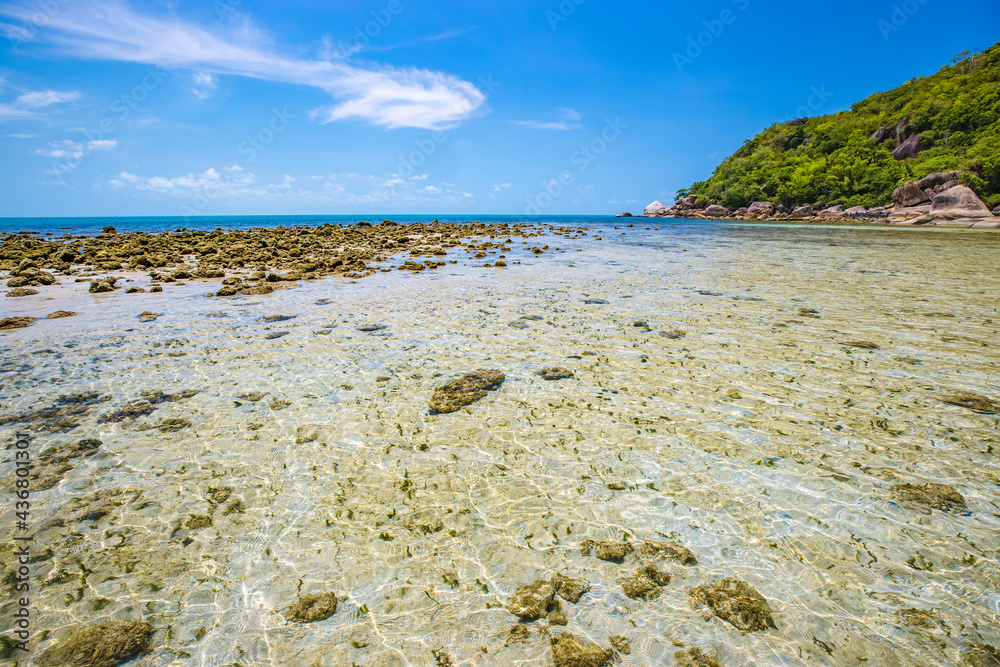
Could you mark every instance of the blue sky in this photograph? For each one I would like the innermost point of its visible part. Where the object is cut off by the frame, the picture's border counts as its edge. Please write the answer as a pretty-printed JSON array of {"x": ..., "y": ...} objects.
[{"x": 118, "y": 107}]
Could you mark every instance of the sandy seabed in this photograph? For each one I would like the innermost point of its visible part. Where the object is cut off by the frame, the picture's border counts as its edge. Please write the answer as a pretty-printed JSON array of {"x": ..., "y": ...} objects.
[{"x": 760, "y": 396}]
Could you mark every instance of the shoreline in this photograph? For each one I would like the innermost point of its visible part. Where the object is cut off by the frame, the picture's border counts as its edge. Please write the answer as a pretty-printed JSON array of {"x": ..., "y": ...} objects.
[{"x": 838, "y": 222}]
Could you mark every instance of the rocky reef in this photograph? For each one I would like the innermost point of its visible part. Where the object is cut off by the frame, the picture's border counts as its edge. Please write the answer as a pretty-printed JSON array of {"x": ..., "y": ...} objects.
[{"x": 249, "y": 262}]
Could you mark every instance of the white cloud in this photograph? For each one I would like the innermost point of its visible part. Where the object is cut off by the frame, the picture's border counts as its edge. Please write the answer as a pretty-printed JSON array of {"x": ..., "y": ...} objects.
[
  {"x": 44, "y": 98},
  {"x": 72, "y": 150},
  {"x": 232, "y": 181},
  {"x": 204, "y": 85},
  {"x": 21, "y": 135},
  {"x": 27, "y": 105},
  {"x": 569, "y": 119},
  {"x": 498, "y": 186},
  {"x": 387, "y": 96},
  {"x": 432, "y": 190}
]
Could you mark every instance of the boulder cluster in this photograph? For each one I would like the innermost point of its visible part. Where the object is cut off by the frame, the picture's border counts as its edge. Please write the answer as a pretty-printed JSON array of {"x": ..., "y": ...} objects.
[
  {"x": 689, "y": 207},
  {"x": 937, "y": 199}
]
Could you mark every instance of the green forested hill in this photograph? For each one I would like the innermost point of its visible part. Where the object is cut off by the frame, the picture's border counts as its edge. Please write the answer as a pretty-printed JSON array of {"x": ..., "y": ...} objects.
[{"x": 836, "y": 160}]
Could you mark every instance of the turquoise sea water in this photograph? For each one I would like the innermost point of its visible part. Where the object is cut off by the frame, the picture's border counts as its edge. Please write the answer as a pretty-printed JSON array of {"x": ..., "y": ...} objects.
[
  {"x": 156, "y": 225},
  {"x": 743, "y": 420}
]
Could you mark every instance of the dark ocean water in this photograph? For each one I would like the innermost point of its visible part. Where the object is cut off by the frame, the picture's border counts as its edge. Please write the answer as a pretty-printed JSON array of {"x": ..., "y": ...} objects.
[{"x": 156, "y": 225}]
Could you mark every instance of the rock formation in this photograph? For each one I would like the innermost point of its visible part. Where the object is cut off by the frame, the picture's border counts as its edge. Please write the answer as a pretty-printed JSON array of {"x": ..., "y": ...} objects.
[{"x": 655, "y": 210}]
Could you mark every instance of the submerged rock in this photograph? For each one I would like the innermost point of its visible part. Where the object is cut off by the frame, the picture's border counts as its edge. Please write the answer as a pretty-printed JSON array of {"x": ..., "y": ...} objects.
[
  {"x": 694, "y": 657},
  {"x": 131, "y": 410},
  {"x": 557, "y": 616},
  {"x": 570, "y": 589},
  {"x": 465, "y": 390},
  {"x": 60, "y": 314},
  {"x": 595, "y": 302},
  {"x": 532, "y": 601},
  {"x": 104, "y": 645},
  {"x": 641, "y": 587},
  {"x": 569, "y": 650},
  {"x": 148, "y": 316},
  {"x": 614, "y": 552},
  {"x": 270, "y": 319},
  {"x": 554, "y": 373},
  {"x": 517, "y": 633},
  {"x": 673, "y": 334},
  {"x": 862, "y": 345},
  {"x": 16, "y": 322},
  {"x": 21, "y": 291},
  {"x": 146, "y": 405},
  {"x": 736, "y": 602},
  {"x": 368, "y": 328},
  {"x": 982, "y": 655},
  {"x": 198, "y": 521},
  {"x": 668, "y": 550},
  {"x": 252, "y": 396},
  {"x": 93, "y": 507},
  {"x": 974, "y": 402},
  {"x": 53, "y": 464},
  {"x": 313, "y": 607},
  {"x": 621, "y": 644},
  {"x": 939, "y": 496},
  {"x": 173, "y": 425}
]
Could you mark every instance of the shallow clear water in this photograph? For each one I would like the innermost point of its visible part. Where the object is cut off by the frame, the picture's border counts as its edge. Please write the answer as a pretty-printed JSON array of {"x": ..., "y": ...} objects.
[{"x": 759, "y": 440}]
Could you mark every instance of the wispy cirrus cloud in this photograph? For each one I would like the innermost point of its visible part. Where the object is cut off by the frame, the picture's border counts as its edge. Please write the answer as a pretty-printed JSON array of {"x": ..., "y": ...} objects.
[
  {"x": 391, "y": 97},
  {"x": 72, "y": 150},
  {"x": 569, "y": 119},
  {"x": 28, "y": 105}
]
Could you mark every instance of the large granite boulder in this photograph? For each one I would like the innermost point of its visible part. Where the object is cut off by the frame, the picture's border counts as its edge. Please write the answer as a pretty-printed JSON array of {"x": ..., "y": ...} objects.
[
  {"x": 909, "y": 148},
  {"x": 912, "y": 215},
  {"x": 761, "y": 208},
  {"x": 856, "y": 210},
  {"x": 909, "y": 195},
  {"x": 834, "y": 212},
  {"x": 716, "y": 211},
  {"x": 957, "y": 203},
  {"x": 802, "y": 211},
  {"x": 943, "y": 180},
  {"x": 798, "y": 121},
  {"x": 881, "y": 134},
  {"x": 996, "y": 211},
  {"x": 655, "y": 210},
  {"x": 903, "y": 131}
]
